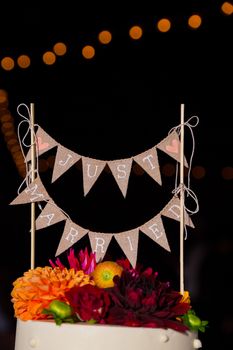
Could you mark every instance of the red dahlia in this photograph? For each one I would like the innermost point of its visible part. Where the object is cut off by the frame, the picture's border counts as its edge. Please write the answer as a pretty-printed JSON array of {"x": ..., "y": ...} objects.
[
  {"x": 140, "y": 299},
  {"x": 90, "y": 303}
]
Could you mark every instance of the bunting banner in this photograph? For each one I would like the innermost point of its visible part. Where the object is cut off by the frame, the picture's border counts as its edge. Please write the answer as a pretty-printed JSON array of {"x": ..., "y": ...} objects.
[
  {"x": 72, "y": 233},
  {"x": 154, "y": 229},
  {"x": 171, "y": 146},
  {"x": 43, "y": 142},
  {"x": 148, "y": 160},
  {"x": 34, "y": 192},
  {"x": 50, "y": 215},
  {"x": 121, "y": 171},
  {"x": 65, "y": 158},
  {"x": 128, "y": 241},
  {"x": 120, "y": 168},
  {"x": 172, "y": 211},
  {"x": 92, "y": 169},
  {"x": 99, "y": 241}
]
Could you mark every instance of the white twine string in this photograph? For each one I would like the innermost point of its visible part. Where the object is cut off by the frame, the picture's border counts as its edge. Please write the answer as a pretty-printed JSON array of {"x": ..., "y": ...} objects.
[
  {"x": 22, "y": 142},
  {"x": 178, "y": 188},
  {"x": 51, "y": 202}
]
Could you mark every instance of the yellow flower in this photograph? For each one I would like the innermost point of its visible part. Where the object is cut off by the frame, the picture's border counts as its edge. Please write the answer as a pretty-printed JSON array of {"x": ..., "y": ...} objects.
[
  {"x": 185, "y": 297},
  {"x": 104, "y": 272},
  {"x": 38, "y": 287}
]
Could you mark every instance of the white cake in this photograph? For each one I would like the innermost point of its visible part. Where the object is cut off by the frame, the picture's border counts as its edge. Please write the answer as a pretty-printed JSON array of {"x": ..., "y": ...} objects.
[{"x": 46, "y": 335}]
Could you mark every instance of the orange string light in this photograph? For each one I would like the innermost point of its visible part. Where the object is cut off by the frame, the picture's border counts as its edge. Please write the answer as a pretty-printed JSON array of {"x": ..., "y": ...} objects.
[{"x": 104, "y": 37}]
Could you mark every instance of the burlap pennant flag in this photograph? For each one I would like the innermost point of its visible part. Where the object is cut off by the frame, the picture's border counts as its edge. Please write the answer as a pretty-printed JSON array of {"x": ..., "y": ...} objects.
[
  {"x": 172, "y": 211},
  {"x": 171, "y": 146},
  {"x": 35, "y": 192},
  {"x": 92, "y": 169},
  {"x": 128, "y": 241},
  {"x": 99, "y": 243},
  {"x": 155, "y": 230},
  {"x": 50, "y": 215},
  {"x": 72, "y": 233},
  {"x": 148, "y": 160},
  {"x": 44, "y": 142},
  {"x": 121, "y": 169},
  {"x": 65, "y": 158}
]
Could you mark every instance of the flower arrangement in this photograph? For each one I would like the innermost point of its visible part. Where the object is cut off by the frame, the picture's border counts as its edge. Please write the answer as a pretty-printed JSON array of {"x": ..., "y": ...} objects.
[{"x": 105, "y": 293}]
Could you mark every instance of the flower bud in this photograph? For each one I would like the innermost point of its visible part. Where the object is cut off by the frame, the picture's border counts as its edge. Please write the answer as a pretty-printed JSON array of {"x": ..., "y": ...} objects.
[{"x": 61, "y": 309}]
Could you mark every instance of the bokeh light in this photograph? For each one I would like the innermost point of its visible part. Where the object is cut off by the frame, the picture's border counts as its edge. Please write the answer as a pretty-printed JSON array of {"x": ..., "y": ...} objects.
[
  {"x": 105, "y": 37},
  {"x": 138, "y": 170},
  {"x": 227, "y": 8},
  {"x": 6, "y": 117},
  {"x": 49, "y": 58},
  {"x": 7, "y": 63},
  {"x": 198, "y": 172},
  {"x": 43, "y": 165},
  {"x": 3, "y": 98},
  {"x": 227, "y": 173},
  {"x": 164, "y": 25},
  {"x": 194, "y": 21},
  {"x": 168, "y": 169},
  {"x": 23, "y": 61},
  {"x": 60, "y": 49},
  {"x": 88, "y": 52},
  {"x": 135, "y": 32}
]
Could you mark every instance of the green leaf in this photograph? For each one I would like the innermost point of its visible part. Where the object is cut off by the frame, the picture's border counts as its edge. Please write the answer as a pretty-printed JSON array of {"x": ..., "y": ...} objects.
[
  {"x": 91, "y": 321},
  {"x": 58, "y": 321},
  {"x": 194, "y": 323},
  {"x": 202, "y": 329},
  {"x": 48, "y": 312},
  {"x": 72, "y": 319}
]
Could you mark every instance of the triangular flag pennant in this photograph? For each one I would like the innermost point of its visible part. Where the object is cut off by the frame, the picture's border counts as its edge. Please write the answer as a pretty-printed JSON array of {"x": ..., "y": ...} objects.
[
  {"x": 99, "y": 243},
  {"x": 172, "y": 211},
  {"x": 148, "y": 160},
  {"x": 72, "y": 233},
  {"x": 155, "y": 230},
  {"x": 92, "y": 169},
  {"x": 171, "y": 146},
  {"x": 50, "y": 215},
  {"x": 44, "y": 142},
  {"x": 64, "y": 160},
  {"x": 128, "y": 241},
  {"x": 121, "y": 170},
  {"x": 35, "y": 192}
]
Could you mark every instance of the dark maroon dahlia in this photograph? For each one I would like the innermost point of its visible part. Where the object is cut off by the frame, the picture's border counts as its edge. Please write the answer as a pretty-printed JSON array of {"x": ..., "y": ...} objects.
[{"x": 140, "y": 299}]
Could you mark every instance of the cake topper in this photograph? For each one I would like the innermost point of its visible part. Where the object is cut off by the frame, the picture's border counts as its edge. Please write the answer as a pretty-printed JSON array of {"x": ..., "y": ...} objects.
[
  {"x": 93, "y": 290},
  {"x": 35, "y": 192}
]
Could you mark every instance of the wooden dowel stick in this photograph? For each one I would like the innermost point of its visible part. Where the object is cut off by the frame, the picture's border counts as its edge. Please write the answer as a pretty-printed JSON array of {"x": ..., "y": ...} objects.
[
  {"x": 33, "y": 225},
  {"x": 182, "y": 200}
]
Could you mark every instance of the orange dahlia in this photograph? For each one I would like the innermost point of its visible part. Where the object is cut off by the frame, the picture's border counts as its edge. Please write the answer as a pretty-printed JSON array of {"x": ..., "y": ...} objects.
[
  {"x": 38, "y": 287},
  {"x": 104, "y": 272}
]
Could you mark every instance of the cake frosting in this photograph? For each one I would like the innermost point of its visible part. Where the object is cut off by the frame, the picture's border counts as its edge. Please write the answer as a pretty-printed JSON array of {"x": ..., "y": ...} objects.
[{"x": 46, "y": 335}]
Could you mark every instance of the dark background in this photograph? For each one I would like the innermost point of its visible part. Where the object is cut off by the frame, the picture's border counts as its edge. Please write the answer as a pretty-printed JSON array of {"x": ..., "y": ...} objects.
[{"x": 120, "y": 103}]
